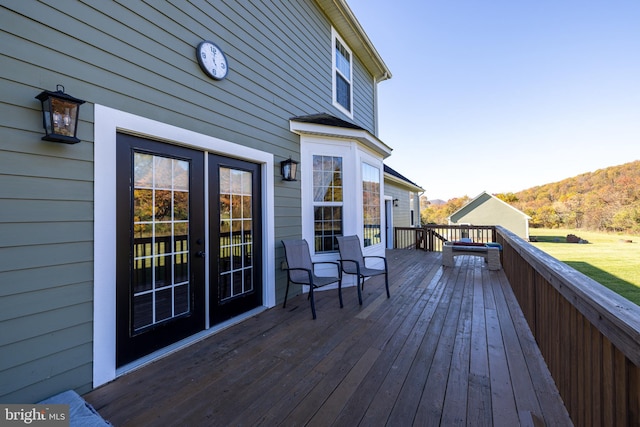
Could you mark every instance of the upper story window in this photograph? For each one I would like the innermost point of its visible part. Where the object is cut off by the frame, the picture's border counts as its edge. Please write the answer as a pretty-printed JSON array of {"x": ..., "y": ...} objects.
[
  {"x": 342, "y": 75},
  {"x": 327, "y": 202},
  {"x": 371, "y": 205}
]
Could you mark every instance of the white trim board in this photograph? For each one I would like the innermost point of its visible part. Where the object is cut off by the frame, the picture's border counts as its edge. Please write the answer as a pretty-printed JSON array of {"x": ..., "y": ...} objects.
[{"x": 107, "y": 123}]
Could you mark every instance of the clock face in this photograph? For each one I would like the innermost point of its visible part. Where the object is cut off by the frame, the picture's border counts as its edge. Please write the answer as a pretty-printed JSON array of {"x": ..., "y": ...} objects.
[{"x": 212, "y": 60}]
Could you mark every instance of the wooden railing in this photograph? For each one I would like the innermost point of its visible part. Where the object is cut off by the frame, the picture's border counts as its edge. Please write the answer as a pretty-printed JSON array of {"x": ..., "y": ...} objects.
[
  {"x": 589, "y": 335},
  {"x": 431, "y": 237}
]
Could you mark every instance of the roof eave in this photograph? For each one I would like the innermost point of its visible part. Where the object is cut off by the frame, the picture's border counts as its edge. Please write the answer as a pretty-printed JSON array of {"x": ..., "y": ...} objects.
[
  {"x": 360, "y": 135},
  {"x": 354, "y": 35},
  {"x": 403, "y": 183}
]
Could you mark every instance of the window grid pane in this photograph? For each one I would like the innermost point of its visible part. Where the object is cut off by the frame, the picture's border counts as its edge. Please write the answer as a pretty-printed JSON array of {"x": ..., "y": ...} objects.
[
  {"x": 327, "y": 199},
  {"x": 343, "y": 92},
  {"x": 235, "y": 258},
  {"x": 371, "y": 205},
  {"x": 342, "y": 75},
  {"x": 343, "y": 61},
  {"x": 160, "y": 243}
]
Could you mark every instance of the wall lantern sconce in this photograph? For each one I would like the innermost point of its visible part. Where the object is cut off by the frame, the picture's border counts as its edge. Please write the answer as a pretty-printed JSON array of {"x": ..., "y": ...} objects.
[
  {"x": 395, "y": 202},
  {"x": 288, "y": 169},
  {"x": 60, "y": 115}
]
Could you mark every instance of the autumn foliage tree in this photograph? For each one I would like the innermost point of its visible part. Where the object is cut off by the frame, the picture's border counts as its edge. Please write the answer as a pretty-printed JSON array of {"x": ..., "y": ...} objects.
[
  {"x": 605, "y": 200},
  {"x": 438, "y": 214}
]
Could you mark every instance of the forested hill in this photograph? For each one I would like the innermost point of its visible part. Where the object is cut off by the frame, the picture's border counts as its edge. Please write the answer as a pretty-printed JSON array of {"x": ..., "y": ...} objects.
[{"x": 607, "y": 199}]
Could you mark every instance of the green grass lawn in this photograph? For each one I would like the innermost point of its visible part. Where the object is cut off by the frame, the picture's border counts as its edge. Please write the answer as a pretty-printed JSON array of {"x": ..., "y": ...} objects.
[{"x": 607, "y": 258}]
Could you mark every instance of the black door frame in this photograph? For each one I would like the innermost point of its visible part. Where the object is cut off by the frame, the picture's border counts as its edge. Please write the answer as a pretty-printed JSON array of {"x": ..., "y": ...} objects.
[
  {"x": 220, "y": 311},
  {"x": 129, "y": 344}
]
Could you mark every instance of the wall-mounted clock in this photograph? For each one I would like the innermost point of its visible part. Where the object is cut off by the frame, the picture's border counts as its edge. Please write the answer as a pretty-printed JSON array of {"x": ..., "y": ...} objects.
[{"x": 212, "y": 60}]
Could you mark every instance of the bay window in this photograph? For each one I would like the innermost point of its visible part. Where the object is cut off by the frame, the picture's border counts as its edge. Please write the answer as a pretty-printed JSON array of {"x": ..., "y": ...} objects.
[
  {"x": 372, "y": 231},
  {"x": 327, "y": 202}
]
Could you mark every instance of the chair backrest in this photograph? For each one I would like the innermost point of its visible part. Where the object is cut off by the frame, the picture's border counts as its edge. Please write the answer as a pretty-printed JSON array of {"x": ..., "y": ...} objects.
[
  {"x": 296, "y": 251},
  {"x": 350, "y": 248}
]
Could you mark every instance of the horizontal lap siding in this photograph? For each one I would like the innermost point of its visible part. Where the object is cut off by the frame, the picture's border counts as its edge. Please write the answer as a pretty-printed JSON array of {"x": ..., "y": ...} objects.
[
  {"x": 401, "y": 208},
  {"x": 139, "y": 58},
  {"x": 46, "y": 231}
]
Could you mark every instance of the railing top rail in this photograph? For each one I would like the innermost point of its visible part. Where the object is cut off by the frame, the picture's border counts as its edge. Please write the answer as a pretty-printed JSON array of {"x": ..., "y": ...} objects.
[
  {"x": 615, "y": 316},
  {"x": 457, "y": 226}
]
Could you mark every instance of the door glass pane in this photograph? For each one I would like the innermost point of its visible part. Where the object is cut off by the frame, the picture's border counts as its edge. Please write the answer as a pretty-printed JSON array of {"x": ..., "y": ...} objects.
[
  {"x": 161, "y": 285},
  {"x": 235, "y": 265}
]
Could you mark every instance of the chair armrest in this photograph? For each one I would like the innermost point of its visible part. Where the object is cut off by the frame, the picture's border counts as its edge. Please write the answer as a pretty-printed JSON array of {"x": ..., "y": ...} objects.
[
  {"x": 357, "y": 264},
  {"x": 326, "y": 262},
  {"x": 309, "y": 272},
  {"x": 377, "y": 256},
  {"x": 348, "y": 260},
  {"x": 337, "y": 264}
]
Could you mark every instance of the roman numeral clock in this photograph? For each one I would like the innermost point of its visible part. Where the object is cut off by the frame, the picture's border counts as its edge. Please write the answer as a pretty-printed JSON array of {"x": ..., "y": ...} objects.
[{"x": 212, "y": 60}]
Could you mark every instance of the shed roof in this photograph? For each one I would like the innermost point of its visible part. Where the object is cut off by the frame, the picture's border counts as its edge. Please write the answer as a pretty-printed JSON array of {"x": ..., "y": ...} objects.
[{"x": 472, "y": 204}]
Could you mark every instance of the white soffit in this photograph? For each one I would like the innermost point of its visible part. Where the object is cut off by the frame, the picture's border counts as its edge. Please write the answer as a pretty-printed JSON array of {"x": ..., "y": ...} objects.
[{"x": 362, "y": 136}]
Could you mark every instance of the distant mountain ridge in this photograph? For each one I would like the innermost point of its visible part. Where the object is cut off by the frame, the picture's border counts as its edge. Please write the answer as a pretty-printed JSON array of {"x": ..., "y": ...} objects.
[
  {"x": 607, "y": 200},
  {"x": 437, "y": 202}
]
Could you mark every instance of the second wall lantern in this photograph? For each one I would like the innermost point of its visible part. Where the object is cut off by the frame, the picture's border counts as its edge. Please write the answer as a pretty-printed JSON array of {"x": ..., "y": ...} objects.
[{"x": 288, "y": 169}]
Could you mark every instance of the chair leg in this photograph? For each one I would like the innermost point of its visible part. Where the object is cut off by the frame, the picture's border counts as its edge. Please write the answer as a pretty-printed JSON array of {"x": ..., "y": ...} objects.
[
  {"x": 340, "y": 292},
  {"x": 359, "y": 291},
  {"x": 386, "y": 284},
  {"x": 286, "y": 292},
  {"x": 313, "y": 302}
]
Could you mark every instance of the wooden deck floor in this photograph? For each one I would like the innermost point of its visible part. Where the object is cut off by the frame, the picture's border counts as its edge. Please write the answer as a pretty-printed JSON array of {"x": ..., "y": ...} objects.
[{"x": 449, "y": 348}]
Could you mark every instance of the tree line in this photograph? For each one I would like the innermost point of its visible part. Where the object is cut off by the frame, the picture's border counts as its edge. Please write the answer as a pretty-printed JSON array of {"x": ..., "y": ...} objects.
[{"x": 605, "y": 200}]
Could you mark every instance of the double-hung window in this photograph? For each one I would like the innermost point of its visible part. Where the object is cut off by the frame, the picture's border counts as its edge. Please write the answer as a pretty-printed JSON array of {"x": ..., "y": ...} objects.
[
  {"x": 371, "y": 205},
  {"x": 327, "y": 202},
  {"x": 342, "y": 75}
]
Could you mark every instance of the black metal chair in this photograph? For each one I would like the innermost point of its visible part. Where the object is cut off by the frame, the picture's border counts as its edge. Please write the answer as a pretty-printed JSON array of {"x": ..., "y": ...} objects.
[
  {"x": 300, "y": 270},
  {"x": 353, "y": 262}
]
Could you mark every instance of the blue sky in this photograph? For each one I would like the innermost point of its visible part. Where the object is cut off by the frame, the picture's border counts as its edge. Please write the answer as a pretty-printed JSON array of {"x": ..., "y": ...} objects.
[{"x": 504, "y": 95}]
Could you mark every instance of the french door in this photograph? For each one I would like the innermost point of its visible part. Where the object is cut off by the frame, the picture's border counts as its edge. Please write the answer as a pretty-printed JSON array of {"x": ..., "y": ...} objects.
[
  {"x": 162, "y": 247},
  {"x": 235, "y": 229}
]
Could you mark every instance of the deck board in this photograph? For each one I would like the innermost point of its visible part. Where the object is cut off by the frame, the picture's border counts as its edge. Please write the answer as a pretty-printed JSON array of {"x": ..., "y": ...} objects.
[{"x": 450, "y": 347}]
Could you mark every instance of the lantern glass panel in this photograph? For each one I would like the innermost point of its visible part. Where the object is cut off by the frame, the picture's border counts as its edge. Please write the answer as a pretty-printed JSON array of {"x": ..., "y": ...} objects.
[
  {"x": 63, "y": 117},
  {"x": 289, "y": 170},
  {"x": 294, "y": 170}
]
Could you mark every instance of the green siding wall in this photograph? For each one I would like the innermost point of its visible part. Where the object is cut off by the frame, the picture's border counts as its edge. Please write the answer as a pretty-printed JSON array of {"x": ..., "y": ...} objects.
[
  {"x": 139, "y": 58},
  {"x": 402, "y": 212}
]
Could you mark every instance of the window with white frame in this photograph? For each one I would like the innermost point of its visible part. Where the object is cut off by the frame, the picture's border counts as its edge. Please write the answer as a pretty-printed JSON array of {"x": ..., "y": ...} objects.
[
  {"x": 372, "y": 232},
  {"x": 342, "y": 75},
  {"x": 327, "y": 202}
]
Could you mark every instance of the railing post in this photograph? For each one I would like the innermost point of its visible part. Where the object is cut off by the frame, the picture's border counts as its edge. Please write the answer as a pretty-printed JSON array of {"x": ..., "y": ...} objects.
[
  {"x": 431, "y": 241},
  {"x": 395, "y": 238}
]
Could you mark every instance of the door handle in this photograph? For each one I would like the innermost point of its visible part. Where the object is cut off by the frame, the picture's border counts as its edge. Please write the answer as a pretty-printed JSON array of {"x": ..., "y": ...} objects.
[{"x": 201, "y": 254}]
